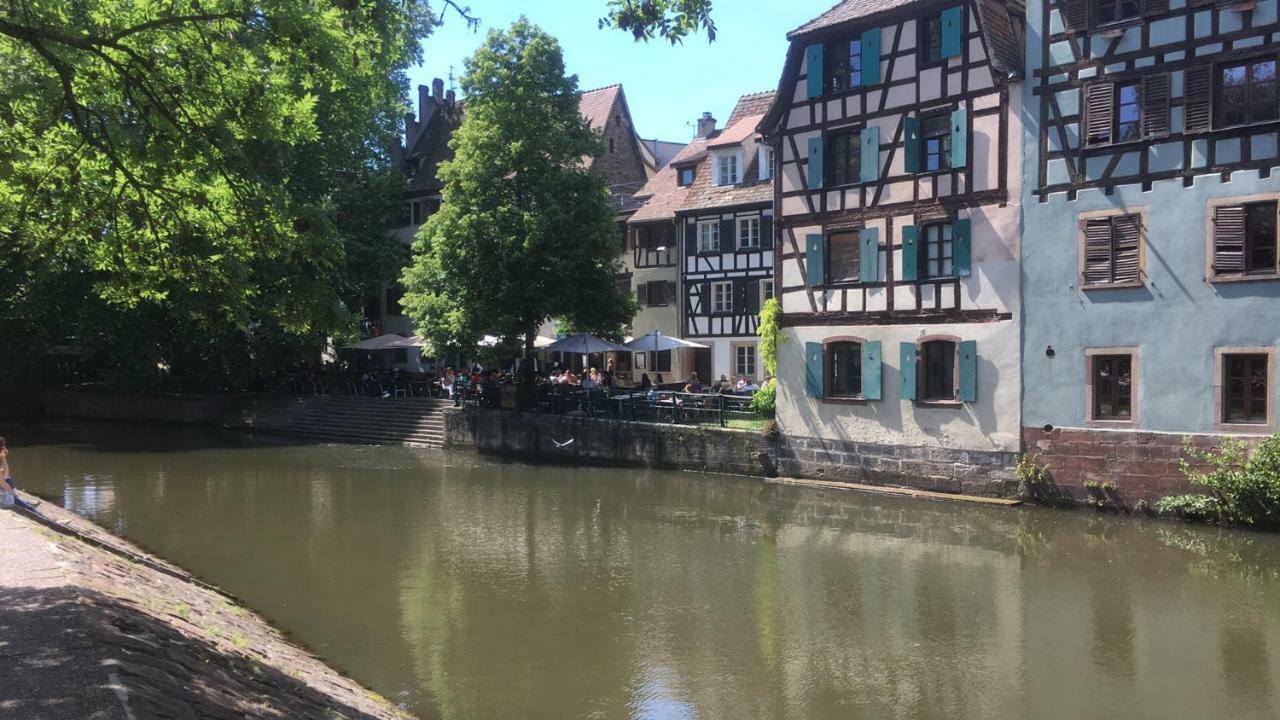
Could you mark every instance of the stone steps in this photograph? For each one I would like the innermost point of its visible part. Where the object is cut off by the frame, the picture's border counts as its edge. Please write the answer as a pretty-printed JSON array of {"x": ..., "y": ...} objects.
[{"x": 385, "y": 421}]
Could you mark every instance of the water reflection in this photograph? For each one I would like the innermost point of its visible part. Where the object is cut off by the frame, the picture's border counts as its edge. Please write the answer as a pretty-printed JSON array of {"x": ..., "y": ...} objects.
[{"x": 467, "y": 589}]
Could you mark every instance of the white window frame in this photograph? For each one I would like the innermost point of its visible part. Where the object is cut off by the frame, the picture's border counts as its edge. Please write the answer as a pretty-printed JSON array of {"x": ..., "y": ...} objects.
[
  {"x": 766, "y": 295},
  {"x": 717, "y": 306},
  {"x": 728, "y": 161},
  {"x": 737, "y": 361},
  {"x": 708, "y": 236},
  {"x": 766, "y": 162},
  {"x": 746, "y": 222}
]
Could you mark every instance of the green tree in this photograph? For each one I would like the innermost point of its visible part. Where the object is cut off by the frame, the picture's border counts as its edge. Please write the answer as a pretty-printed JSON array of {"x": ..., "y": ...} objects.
[
  {"x": 672, "y": 20},
  {"x": 525, "y": 232},
  {"x": 207, "y": 167}
]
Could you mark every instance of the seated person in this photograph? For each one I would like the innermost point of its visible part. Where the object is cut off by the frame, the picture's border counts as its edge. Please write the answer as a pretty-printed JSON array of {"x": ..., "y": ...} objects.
[
  {"x": 694, "y": 385},
  {"x": 750, "y": 386}
]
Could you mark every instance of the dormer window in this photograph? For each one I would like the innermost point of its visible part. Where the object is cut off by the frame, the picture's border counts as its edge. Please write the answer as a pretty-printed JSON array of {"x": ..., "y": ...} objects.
[
  {"x": 685, "y": 177},
  {"x": 728, "y": 169}
]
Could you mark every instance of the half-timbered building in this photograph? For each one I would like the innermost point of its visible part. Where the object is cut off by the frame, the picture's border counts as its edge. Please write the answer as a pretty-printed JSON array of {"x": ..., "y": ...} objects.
[
  {"x": 726, "y": 262},
  {"x": 1151, "y": 269},
  {"x": 897, "y": 133}
]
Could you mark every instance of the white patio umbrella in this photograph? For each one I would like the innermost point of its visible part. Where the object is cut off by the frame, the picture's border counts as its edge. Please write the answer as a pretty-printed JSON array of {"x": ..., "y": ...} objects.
[
  {"x": 657, "y": 342},
  {"x": 390, "y": 341},
  {"x": 584, "y": 344}
]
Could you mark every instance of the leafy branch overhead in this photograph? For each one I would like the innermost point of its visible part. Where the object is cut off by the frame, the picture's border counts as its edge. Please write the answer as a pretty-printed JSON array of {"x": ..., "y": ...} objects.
[{"x": 672, "y": 20}]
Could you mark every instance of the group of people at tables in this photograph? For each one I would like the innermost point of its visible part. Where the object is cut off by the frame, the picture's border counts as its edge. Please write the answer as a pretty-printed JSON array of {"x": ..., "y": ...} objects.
[{"x": 454, "y": 384}]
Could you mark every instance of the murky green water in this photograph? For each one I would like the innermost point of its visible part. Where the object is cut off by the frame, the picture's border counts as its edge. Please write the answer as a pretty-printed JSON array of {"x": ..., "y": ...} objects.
[{"x": 465, "y": 588}]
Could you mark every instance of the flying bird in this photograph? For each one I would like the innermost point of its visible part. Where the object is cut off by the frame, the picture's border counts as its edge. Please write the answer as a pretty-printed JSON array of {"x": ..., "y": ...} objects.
[{"x": 564, "y": 444}]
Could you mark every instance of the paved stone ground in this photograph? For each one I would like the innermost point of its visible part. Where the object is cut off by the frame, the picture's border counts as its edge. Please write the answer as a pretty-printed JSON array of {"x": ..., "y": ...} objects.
[
  {"x": 49, "y": 668},
  {"x": 91, "y": 627}
]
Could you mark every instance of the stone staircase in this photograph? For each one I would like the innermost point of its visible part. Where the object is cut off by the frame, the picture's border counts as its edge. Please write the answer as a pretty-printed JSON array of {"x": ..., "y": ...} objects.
[{"x": 339, "y": 418}]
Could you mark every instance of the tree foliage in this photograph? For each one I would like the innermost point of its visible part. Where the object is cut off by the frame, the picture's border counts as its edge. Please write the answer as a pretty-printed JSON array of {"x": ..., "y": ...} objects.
[
  {"x": 1240, "y": 488},
  {"x": 672, "y": 20},
  {"x": 525, "y": 232},
  {"x": 770, "y": 333},
  {"x": 203, "y": 172}
]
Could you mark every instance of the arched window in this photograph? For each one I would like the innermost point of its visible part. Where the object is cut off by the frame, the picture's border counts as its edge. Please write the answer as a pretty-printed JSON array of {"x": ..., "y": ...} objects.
[
  {"x": 844, "y": 369},
  {"x": 938, "y": 370}
]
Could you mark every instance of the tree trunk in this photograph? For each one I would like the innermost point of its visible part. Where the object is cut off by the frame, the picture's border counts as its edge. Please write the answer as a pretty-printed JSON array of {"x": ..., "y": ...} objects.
[{"x": 526, "y": 392}]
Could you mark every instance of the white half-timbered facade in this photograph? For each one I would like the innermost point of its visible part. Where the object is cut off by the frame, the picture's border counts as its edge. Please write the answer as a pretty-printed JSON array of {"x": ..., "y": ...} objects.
[
  {"x": 897, "y": 135},
  {"x": 727, "y": 251}
]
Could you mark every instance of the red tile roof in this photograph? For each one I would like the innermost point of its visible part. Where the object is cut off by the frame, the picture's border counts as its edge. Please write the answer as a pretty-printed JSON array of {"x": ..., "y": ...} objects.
[
  {"x": 594, "y": 105},
  {"x": 737, "y": 132},
  {"x": 663, "y": 194}
]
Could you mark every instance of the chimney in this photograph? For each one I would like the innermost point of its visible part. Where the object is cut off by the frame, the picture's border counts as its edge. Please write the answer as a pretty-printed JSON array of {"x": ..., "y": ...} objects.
[
  {"x": 424, "y": 104},
  {"x": 449, "y": 97},
  {"x": 410, "y": 130},
  {"x": 437, "y": 89},
  {"x": 706, "y": 125}
]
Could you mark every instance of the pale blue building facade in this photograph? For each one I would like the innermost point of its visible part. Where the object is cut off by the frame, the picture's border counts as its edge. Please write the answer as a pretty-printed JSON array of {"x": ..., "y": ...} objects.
[{"x": 1150, "y": 282}]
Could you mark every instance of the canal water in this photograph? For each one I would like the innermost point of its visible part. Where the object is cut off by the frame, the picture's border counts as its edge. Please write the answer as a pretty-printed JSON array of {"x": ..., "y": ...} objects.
[{"x": 467, "y": 588}]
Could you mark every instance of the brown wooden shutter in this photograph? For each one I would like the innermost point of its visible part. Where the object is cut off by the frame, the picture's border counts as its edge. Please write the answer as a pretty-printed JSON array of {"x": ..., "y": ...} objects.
[
  {"x": 1126, "y": 238},
  {"x": 1075, "y": 13},
  {"x": 1155, "y": 105},
  {"x": 642, "y": 293},
  {"x": 1097, "y": 251},
  {"x": 1099, "y": 112},
  {"x": 1197, "y": 99},
  {"x": 1228, "y": 239},
  {"x": 1154, "y": 7}
]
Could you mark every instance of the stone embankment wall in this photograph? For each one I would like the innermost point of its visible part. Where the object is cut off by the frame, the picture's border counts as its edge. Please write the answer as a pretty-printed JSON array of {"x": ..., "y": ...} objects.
[
  {"x": 168, "y": 644},
  {"x": 1121, "y": 469},
  {"x": 172, "y": 409}
]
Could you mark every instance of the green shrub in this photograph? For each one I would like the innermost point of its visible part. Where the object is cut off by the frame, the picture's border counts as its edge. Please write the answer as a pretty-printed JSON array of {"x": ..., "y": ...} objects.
[
  {"x": 1242, "y": 489},
  {"x": 765, "y": 401}
]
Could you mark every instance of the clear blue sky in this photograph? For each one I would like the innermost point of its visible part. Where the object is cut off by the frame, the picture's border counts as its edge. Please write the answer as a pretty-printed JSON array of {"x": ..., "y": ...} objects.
[{"x": 667, "y": 86}]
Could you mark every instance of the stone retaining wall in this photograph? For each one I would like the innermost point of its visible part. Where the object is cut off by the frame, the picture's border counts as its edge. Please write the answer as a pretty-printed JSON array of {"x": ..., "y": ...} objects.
[
  {"x": 612, "y": 442},
  {"x": 1114, "y": 467},
  {"x": 937, "y": 469},
  {"x": 172, "y": 409}
]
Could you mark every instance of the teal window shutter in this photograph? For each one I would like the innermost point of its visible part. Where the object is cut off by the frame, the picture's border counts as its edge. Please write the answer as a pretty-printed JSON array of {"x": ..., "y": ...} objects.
[
  {"x": 959, "y": 138},
  {"x": 908, "y": 359},
  {"x": 814, "y": 375},
  {"x": 961, "y": 242},
  {"x": 968, "y": 371},
  {"x": 815, "y": 260},
  {"x": 871, "y": 370},
  {"x": 815, "y": 163},
  {"x": 870, "y": 159},
  {"x": 868, "y": 255},
  {"x": 952, "y": 31},
  {"x": 910, "y": 252},
  {"x": 911, "y": 143},
  {"x": 815, "y": 76},
  {"x": 870, "y": 69}
]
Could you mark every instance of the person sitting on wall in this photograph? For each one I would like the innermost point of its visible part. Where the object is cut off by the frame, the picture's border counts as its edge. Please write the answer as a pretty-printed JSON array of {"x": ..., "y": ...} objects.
[{"x": 8, "y": 491}]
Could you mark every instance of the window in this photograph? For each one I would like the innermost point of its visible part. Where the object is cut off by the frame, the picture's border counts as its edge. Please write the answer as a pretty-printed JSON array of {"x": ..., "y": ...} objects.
[
  {"x": 1128, "y": 112},
  {"x": 930, "y": 40},
  {"x": 708, "y": 236},
  {"x": 686, "y": 177},
  {"x": 1246, "y": 92},
  {"x": 844, "y": 369},
  {"x": 722, "y": 297},
  {"x": 661, "y": 363},
  {"x": 1244, "y": 388},
  {"x": 766, "y": 162},
  {"x": 655, "y": 293},
  {"x": 423, "y": 209},
  {"x": 1112, "y": 381},
  {"x": 766, "y": 291},
  {"x": 938, "y": 366},
  {"x": 1109, "y": 11},
  {"x": 727, "y": 170},
  {"x": 844, "y": 161},
  {"x": 842, "y": 257},
  {"x": 744, "y": 360},
  {"x": 748, "y": 232},
  {"x": 937, "y": 251},
  {"x": 1244, "y": 239},
  {"x": 845, "y": 64},
  {"x": 935, "y": 132},
  {"x": 623, "y": 283},
  {"x": 394, "y": 295},
  {"x": 1112, "y": 250}
]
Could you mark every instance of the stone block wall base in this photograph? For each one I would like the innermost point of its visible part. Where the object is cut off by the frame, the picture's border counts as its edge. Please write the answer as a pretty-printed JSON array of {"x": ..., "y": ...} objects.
[
  {"x": 968, "y": 472},
  {"x": 1123, "y": 469}
]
